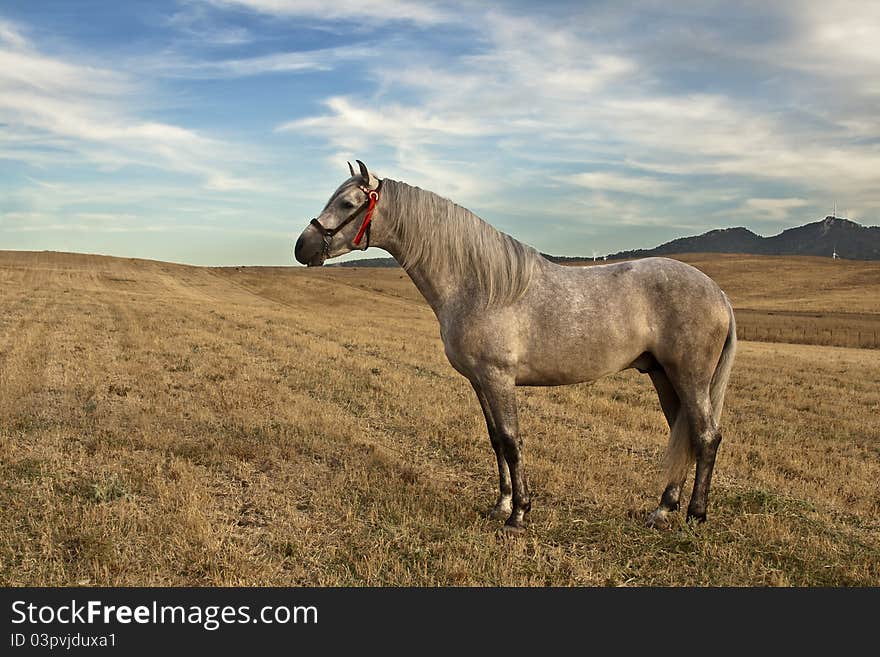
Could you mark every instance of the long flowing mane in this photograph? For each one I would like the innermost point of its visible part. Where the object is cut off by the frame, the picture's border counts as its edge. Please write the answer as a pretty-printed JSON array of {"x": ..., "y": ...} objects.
[{"x": 438, "y": 234}]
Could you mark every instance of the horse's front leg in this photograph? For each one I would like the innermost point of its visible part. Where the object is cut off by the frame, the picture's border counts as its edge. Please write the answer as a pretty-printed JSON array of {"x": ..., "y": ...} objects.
[
  {"x": 500, "y": 395},
  {"x": 504, "y": 505}
]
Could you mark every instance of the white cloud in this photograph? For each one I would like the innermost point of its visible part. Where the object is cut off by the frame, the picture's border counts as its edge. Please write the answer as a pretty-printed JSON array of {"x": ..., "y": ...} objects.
[
  {"x": 353, "y": 129},
  {"x": 20, "y": 218},
  {"x": 774, "y": 208},
  {"x": 193, "y": 21},
  {"x": 837, "y": 38},
  {"x": 10, "y": 34},
  {"x": 24, "y": 68},
  {"x": 396, "y": 123},
  {"x": 370, "y": 11},
  {"x": 283, "y": 62},
  {"x": 614, "y": 182},
  {"x": 600, "y": 208},
  {"x": 53, "y": 109}
]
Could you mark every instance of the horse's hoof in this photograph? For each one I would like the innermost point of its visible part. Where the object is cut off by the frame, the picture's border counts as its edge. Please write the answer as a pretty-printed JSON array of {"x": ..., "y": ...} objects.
[
  {"x": 659, "y": 519},
  {"x": 500, "y": 512},
  {"x": 697, "y": 518},
  {"x": 514, "y": 526}
]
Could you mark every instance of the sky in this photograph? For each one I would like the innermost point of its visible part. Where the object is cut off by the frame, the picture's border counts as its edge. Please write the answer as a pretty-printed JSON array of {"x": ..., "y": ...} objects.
[{"x": 209, "y": 131}]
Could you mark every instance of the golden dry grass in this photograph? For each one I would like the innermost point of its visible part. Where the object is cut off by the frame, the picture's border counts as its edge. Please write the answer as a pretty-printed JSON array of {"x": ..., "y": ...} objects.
[
  {"x": 162, "y": 424},
  {"x": 805, "y": 300}
]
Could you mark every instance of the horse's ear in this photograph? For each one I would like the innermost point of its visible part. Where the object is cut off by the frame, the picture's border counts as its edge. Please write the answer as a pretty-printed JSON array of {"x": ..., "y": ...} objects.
[
  {"x": 364, "y": 171},
  {"x": 350, "y": 168}
]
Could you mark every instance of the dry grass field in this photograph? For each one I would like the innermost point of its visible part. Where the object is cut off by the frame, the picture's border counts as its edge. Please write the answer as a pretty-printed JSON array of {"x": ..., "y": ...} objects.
[{"x": 172, "y": 425}]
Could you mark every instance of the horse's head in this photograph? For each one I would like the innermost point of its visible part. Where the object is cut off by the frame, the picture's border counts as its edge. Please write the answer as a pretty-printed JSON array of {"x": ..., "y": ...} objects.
[{"x": 344, "y": 223}]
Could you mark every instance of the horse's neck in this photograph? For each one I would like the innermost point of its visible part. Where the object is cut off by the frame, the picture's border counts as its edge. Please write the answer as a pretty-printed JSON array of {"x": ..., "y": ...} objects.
[
  {"x": 439, "y": 286},
  {"x": 437, "y": 292}
]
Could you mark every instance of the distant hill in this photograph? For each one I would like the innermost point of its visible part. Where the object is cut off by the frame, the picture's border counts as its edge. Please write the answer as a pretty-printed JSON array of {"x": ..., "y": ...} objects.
[
  {"x": 366, "y": 262},
  {"x": 820, "y": 238}
]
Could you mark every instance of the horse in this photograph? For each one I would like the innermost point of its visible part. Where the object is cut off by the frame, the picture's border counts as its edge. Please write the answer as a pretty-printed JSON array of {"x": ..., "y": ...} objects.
[{"x": 510, "y": 317}]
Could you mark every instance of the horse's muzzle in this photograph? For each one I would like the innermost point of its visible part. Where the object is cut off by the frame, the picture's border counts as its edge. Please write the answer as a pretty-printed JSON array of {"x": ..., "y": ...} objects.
[
  {"x": 306, "y": 253},
  {"x": 297, "y": 251}
]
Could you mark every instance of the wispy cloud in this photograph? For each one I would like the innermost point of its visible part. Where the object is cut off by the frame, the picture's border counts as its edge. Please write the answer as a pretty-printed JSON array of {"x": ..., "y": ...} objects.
[
  {"x": 193, "y": 20},
  {"x": 370, "y": 11},
  {"x": 396, "y": 123},
  {"x": 47, "y": 101},
  {"x": 283, "y": 62},
  {"x": 627, "y": 184},
  {"x": 11, "y": 35},
  {"x": 774, "y": 208},
  {"x": 836, "y": 39}
]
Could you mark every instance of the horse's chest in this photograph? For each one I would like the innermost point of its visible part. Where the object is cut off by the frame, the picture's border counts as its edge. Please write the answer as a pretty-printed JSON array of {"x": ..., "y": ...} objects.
[
  {"x": 471, "y": 345},
  {"x": 459, "y": 351}
]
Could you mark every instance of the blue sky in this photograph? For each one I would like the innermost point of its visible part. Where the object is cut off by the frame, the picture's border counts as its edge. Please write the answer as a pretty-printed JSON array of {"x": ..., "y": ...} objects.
[{"x": 210, "y": 131}]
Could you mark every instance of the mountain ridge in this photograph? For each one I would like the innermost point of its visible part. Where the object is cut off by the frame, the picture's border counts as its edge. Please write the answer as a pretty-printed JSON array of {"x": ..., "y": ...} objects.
[{"x": 825, "y": 237}]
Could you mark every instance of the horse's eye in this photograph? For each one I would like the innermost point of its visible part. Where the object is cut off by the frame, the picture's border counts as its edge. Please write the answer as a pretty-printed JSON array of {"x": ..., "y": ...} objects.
[{"x": 347, "y": 204}]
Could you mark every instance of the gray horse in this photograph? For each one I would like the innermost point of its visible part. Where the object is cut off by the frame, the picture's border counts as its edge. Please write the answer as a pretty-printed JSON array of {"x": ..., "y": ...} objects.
[{"x": 509, "y": 317}]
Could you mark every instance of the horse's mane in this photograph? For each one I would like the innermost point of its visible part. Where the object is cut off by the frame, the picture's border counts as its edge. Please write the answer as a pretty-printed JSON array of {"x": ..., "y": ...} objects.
[{"x": 437, "y": 234}]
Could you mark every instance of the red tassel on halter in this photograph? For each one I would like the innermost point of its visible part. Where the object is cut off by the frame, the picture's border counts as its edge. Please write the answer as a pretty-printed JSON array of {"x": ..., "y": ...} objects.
[{"x": 374, "y": 197}]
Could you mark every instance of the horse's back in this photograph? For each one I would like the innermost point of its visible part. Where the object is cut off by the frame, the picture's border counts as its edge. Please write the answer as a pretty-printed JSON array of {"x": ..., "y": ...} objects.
[
  {"x": 655, "y": 270},
  {"x": 677, "y": 290},
  {"x": 586, "y": 322},
  {"x": 651, "y": 284},
  {"x": 660, "y": 286}
]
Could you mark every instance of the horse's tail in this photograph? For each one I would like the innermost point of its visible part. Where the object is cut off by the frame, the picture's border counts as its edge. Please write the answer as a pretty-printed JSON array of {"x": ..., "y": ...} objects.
[
  {"x": 722, "y": 371},
  {"x": 680, "y": 452}
]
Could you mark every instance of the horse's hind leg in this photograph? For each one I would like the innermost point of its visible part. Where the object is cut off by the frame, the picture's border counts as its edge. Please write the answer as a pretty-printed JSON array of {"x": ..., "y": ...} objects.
[
  {"x": 678, "y": 456},
  {"x": 504, "y": 505},
  {"x": 705, "y": 438}
]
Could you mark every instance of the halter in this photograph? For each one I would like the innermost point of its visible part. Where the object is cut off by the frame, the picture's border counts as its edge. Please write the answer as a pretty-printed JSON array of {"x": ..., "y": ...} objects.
[{"x": 370, "y": 203}]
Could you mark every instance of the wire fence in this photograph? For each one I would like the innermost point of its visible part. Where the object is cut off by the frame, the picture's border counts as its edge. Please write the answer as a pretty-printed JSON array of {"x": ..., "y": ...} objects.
[{"x": 837, "y": 337}]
